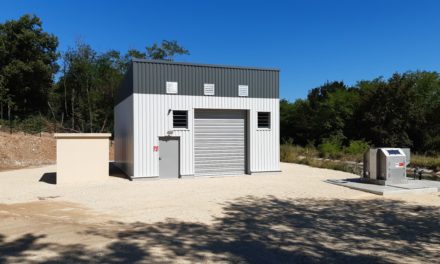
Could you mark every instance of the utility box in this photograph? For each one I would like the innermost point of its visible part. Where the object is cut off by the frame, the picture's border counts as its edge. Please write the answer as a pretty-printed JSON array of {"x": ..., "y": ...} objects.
[
  {"x": 370, "y": 164},
  {"x": 82, "y": 157},
  {"x": 391, "y": 165},
  {"x": 386, "y": 165}
]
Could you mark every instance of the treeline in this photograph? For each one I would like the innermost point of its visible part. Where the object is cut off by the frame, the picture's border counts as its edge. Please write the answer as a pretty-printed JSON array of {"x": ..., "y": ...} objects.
[
  {"x": 44, "y": 89},
  {"x": 402, "y": 111}
]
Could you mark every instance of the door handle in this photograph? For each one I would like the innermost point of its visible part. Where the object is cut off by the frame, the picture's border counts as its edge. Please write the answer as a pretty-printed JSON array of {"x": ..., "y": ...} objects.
[{"x": 160, "y": 158}]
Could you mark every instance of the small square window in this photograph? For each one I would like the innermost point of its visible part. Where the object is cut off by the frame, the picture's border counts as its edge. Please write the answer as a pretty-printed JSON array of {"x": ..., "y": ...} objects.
[
  {"x": 180, "y": 119},
  {"x": 263, "y": 119}
]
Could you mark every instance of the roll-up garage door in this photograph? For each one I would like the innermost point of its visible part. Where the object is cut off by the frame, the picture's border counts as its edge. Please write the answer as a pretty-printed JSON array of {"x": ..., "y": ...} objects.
[{"x": 220, "y": 142}]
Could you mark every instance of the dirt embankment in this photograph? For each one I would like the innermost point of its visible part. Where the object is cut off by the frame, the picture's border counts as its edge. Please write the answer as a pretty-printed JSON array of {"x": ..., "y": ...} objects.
[{"x": 19, "y": 150}]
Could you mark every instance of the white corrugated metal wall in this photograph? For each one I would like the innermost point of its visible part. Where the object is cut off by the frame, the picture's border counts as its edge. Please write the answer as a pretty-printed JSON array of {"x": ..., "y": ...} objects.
[
  {"x": 153, "y": 119},
  {"x": 123, "y": 135}
]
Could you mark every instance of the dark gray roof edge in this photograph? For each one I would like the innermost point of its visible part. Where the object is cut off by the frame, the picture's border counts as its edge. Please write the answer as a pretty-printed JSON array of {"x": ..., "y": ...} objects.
[{"x": 204, "y": 65}]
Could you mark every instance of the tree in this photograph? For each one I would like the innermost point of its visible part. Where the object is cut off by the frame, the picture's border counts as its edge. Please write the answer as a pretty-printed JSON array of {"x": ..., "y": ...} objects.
[
  {"x": 27, "y": 66},
  {"x": 386, "y": 111},
  {"x": 425, "y": 126},
  {"x": 133, "y": 53},
  {"x": 76, "y": 83},
  {"x": 110, "y": 69},
  {"x": 85, "y": 93},
  {"x": 86, "y": 90},
  {"x": 166, "y": 51},
  {"x": 295, "y": 122},
  {"x": 332, "y": 105},
  {"x": 400, "y": 111}
]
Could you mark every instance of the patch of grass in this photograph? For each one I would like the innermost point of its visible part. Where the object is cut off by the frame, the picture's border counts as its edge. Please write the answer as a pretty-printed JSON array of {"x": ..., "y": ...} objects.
[
  {"x": 293, "y": 153},
  {"x": 334, "y": 165},
  {"x": 354, "y": 152},
  {"x": 430, "y": 162},
  {"x": 310, "y": 156}
]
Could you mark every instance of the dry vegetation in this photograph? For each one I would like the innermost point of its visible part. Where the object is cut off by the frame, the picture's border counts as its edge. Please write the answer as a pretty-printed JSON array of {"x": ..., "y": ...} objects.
[
  {"x": 311, "y": 156},
  {"x": 430, "y": 162},
  {"x": 19, "y": 150},
  {"x": 349, "y": 162}
]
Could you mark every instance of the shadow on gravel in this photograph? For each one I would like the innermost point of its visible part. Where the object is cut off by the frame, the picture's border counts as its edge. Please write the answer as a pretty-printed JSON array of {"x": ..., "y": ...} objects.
[
  {"x": 264, "y": 230},
  {"x": 49, "y": 177},
  {"x": 114, "y": 171}
]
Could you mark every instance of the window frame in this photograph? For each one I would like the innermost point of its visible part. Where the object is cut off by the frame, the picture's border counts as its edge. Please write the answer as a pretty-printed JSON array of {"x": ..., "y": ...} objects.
[
  {"x": 268, "y": 121},
  {"x": 186, "y": 127}
]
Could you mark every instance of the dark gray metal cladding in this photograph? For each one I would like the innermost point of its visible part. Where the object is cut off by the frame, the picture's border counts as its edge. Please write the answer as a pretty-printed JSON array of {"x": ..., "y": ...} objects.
[
  {"x": 126, "y": 87},
  {"x": 150, "y": 77}
]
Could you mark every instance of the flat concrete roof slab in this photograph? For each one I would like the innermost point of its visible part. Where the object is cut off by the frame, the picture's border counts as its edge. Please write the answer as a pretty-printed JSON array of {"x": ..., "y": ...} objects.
[{"x": 413, "y": 186}]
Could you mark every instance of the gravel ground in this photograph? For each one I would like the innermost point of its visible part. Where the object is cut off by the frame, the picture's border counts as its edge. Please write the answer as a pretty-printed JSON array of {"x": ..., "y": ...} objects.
[{"x": 292, "y": 216}]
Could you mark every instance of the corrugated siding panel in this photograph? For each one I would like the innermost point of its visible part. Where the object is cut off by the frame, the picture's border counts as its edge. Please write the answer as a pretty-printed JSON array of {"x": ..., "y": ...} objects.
[
  {"x": 123, "y": 135},
  {"x": 150, "y": 78},
  {"x": 153, "y": 120},
  {"x": 219, "y": 142},
  {"x": 126, "y": 87}
]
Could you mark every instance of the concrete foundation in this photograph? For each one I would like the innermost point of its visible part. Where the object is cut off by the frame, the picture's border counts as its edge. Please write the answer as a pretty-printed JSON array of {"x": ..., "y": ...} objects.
[{"x": 411, "y": 186}]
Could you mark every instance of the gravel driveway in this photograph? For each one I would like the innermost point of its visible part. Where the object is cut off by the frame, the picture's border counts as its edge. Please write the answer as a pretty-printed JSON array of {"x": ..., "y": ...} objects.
[{"x": 287, "y": 217}]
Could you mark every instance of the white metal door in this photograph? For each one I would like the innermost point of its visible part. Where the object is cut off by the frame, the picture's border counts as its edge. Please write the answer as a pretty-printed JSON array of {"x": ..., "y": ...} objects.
[
  {"x": 219, "y": 142},
  {"x": 168, "y": 157}
]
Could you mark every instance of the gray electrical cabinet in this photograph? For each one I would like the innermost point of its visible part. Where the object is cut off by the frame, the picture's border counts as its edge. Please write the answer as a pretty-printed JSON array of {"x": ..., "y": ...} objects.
[
  {"x": 370, "y": 164},
  {"x": 386, "y": 165}
]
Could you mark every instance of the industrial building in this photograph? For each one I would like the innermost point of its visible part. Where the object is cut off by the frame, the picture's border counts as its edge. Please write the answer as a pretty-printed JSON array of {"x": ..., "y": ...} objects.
[{"x": 175, "y": 119}]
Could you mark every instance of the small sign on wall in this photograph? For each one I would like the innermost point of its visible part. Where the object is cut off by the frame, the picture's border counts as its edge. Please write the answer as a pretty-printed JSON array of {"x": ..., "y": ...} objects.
[
  {"x": 243, "y": 90},
  {"x": 171, "y": 87},
  {"x": 400, "y": 164},
  {"x": 209, "y": 89}
]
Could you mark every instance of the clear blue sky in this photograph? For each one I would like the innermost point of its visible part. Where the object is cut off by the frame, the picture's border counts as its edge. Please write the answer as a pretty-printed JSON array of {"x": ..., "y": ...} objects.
[{"x": 310, "y": 41}]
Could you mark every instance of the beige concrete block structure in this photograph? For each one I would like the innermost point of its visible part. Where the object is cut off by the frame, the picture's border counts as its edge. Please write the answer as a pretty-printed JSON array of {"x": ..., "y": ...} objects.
[{"x": 82, "y": 157}]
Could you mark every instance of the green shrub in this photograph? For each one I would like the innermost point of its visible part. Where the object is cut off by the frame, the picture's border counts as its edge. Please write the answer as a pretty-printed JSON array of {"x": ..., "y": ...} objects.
[
  {"x": 355, "y": 150},
  {"x": 331, "y": 147},
  {"x": 32, "y": 125},
  {"x": 12, "y": 125},
  {"x": 357, "y": 147}
]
